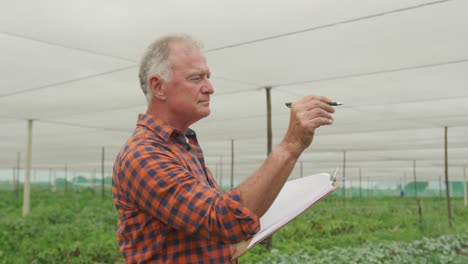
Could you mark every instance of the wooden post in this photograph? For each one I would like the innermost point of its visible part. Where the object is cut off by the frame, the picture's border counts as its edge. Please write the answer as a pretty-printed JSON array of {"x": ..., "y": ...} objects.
[
  {"x": 102, "y": 171},
  {"x": 269, "y": 122},
  {"x": 418, "y": 203},
  {"x": 414, "y": 177},
  {"x": 447, "y": 189},
  {"x": 269, "y": 240},
  {"x": 27, "y": 178}
]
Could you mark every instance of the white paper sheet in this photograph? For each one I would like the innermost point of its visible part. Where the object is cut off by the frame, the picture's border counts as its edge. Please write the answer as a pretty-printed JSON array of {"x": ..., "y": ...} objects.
[{"x": 295, "y": 197}]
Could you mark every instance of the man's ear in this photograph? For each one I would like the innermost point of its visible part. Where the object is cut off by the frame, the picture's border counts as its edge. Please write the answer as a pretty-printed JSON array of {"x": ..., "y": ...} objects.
[{"x": 157, "y": 87}]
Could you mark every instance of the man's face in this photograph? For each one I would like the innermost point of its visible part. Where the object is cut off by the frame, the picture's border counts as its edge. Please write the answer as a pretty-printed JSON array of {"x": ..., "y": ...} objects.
[{"x": 189, "y": 90}]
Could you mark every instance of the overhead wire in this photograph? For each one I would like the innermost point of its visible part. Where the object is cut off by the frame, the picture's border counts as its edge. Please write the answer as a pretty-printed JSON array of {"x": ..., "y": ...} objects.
[
  {"x": 347, "y": 21},
  {"x": 399, "y": 10},
  {"x": 237, "y": 45}
]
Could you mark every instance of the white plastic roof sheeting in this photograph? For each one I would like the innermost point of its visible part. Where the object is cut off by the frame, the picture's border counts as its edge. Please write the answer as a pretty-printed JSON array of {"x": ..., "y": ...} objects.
[{"x": 399, "y": 66}]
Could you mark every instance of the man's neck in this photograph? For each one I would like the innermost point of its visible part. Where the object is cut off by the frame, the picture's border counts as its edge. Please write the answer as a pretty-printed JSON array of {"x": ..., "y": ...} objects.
[{"x": 162, "y": 113}]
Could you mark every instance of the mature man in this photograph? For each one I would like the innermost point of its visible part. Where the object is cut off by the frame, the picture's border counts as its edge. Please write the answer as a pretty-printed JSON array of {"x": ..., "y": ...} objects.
[{"x": 170, "y": 208}]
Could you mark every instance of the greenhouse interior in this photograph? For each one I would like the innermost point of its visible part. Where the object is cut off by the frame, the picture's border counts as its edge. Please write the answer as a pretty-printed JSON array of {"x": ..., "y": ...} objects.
[{"x": 70, "y": 98}]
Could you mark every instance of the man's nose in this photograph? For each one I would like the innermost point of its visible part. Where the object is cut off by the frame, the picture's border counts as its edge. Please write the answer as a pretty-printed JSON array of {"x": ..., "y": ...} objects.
[{"x": 207, "y": 88}]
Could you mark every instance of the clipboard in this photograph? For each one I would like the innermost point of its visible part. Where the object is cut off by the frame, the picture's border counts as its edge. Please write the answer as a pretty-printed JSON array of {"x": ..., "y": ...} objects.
[{"x": 295, "y": 198}]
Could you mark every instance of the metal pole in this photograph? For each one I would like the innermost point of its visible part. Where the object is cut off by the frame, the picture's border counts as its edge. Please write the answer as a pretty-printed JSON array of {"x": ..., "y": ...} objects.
[
  {"x": 27, "y": 178},
  {"x": 465, "y": 191},
  {"x": 232, "y": 163},
  {"x": 269, "y": 122},
  {"x": 102, "y": 172},
  {"x": 269, "y": 240},
  {"x": 414, "y": 177},
  {"x": 447, "y": 189}
]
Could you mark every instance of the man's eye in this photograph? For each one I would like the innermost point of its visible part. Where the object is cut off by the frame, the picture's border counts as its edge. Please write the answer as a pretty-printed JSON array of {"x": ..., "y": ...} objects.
[{"x": 196, "y": 78}]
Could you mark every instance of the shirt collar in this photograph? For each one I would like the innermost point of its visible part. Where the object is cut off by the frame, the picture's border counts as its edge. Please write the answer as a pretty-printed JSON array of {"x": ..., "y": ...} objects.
[{"x": 160, "y": 127}]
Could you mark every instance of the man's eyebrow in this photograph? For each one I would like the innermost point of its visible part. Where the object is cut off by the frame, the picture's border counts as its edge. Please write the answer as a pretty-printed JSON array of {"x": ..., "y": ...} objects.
[{"x": 196, "y": 73}]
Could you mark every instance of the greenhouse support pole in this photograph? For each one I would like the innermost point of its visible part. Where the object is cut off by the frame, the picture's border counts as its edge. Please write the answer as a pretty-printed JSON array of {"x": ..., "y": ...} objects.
[
  {"x": 232, "y": 163},
  {"x": 447, "y": 189},
  {"x": 414, "y": 178},
  {"x": 465, "y": 191},
  {"x": 102, "y": 171},
  {"x": 269, "y": 240},
  {"x": 27, "y": 178}
]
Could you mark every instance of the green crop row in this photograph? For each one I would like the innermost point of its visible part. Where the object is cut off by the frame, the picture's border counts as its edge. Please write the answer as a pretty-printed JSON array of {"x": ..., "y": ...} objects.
[{"x": 79, "y": 227}]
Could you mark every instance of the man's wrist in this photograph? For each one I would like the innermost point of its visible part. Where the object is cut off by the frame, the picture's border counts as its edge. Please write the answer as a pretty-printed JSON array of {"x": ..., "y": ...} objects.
[{"x": 289, "y": 150}]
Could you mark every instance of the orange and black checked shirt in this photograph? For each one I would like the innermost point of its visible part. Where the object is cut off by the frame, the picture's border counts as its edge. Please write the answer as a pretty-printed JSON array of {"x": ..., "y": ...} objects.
[{"x": 170, "y": 208}]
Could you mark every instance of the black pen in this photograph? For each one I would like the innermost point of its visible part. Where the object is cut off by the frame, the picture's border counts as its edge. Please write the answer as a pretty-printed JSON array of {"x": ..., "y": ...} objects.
[{"x": 288, "y": 104}]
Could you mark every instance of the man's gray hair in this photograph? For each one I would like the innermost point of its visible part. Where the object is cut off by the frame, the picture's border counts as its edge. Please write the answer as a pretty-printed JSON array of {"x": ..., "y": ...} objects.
[{"x": 155, "y": 60}]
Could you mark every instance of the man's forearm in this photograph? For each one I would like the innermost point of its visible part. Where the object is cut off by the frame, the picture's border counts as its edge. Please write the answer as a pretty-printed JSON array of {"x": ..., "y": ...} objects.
[{"x": 260, "y": 190}]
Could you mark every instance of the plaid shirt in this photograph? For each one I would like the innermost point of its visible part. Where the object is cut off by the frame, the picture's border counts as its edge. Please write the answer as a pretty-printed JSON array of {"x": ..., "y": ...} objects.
[{"x": 170, "y": 208}]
